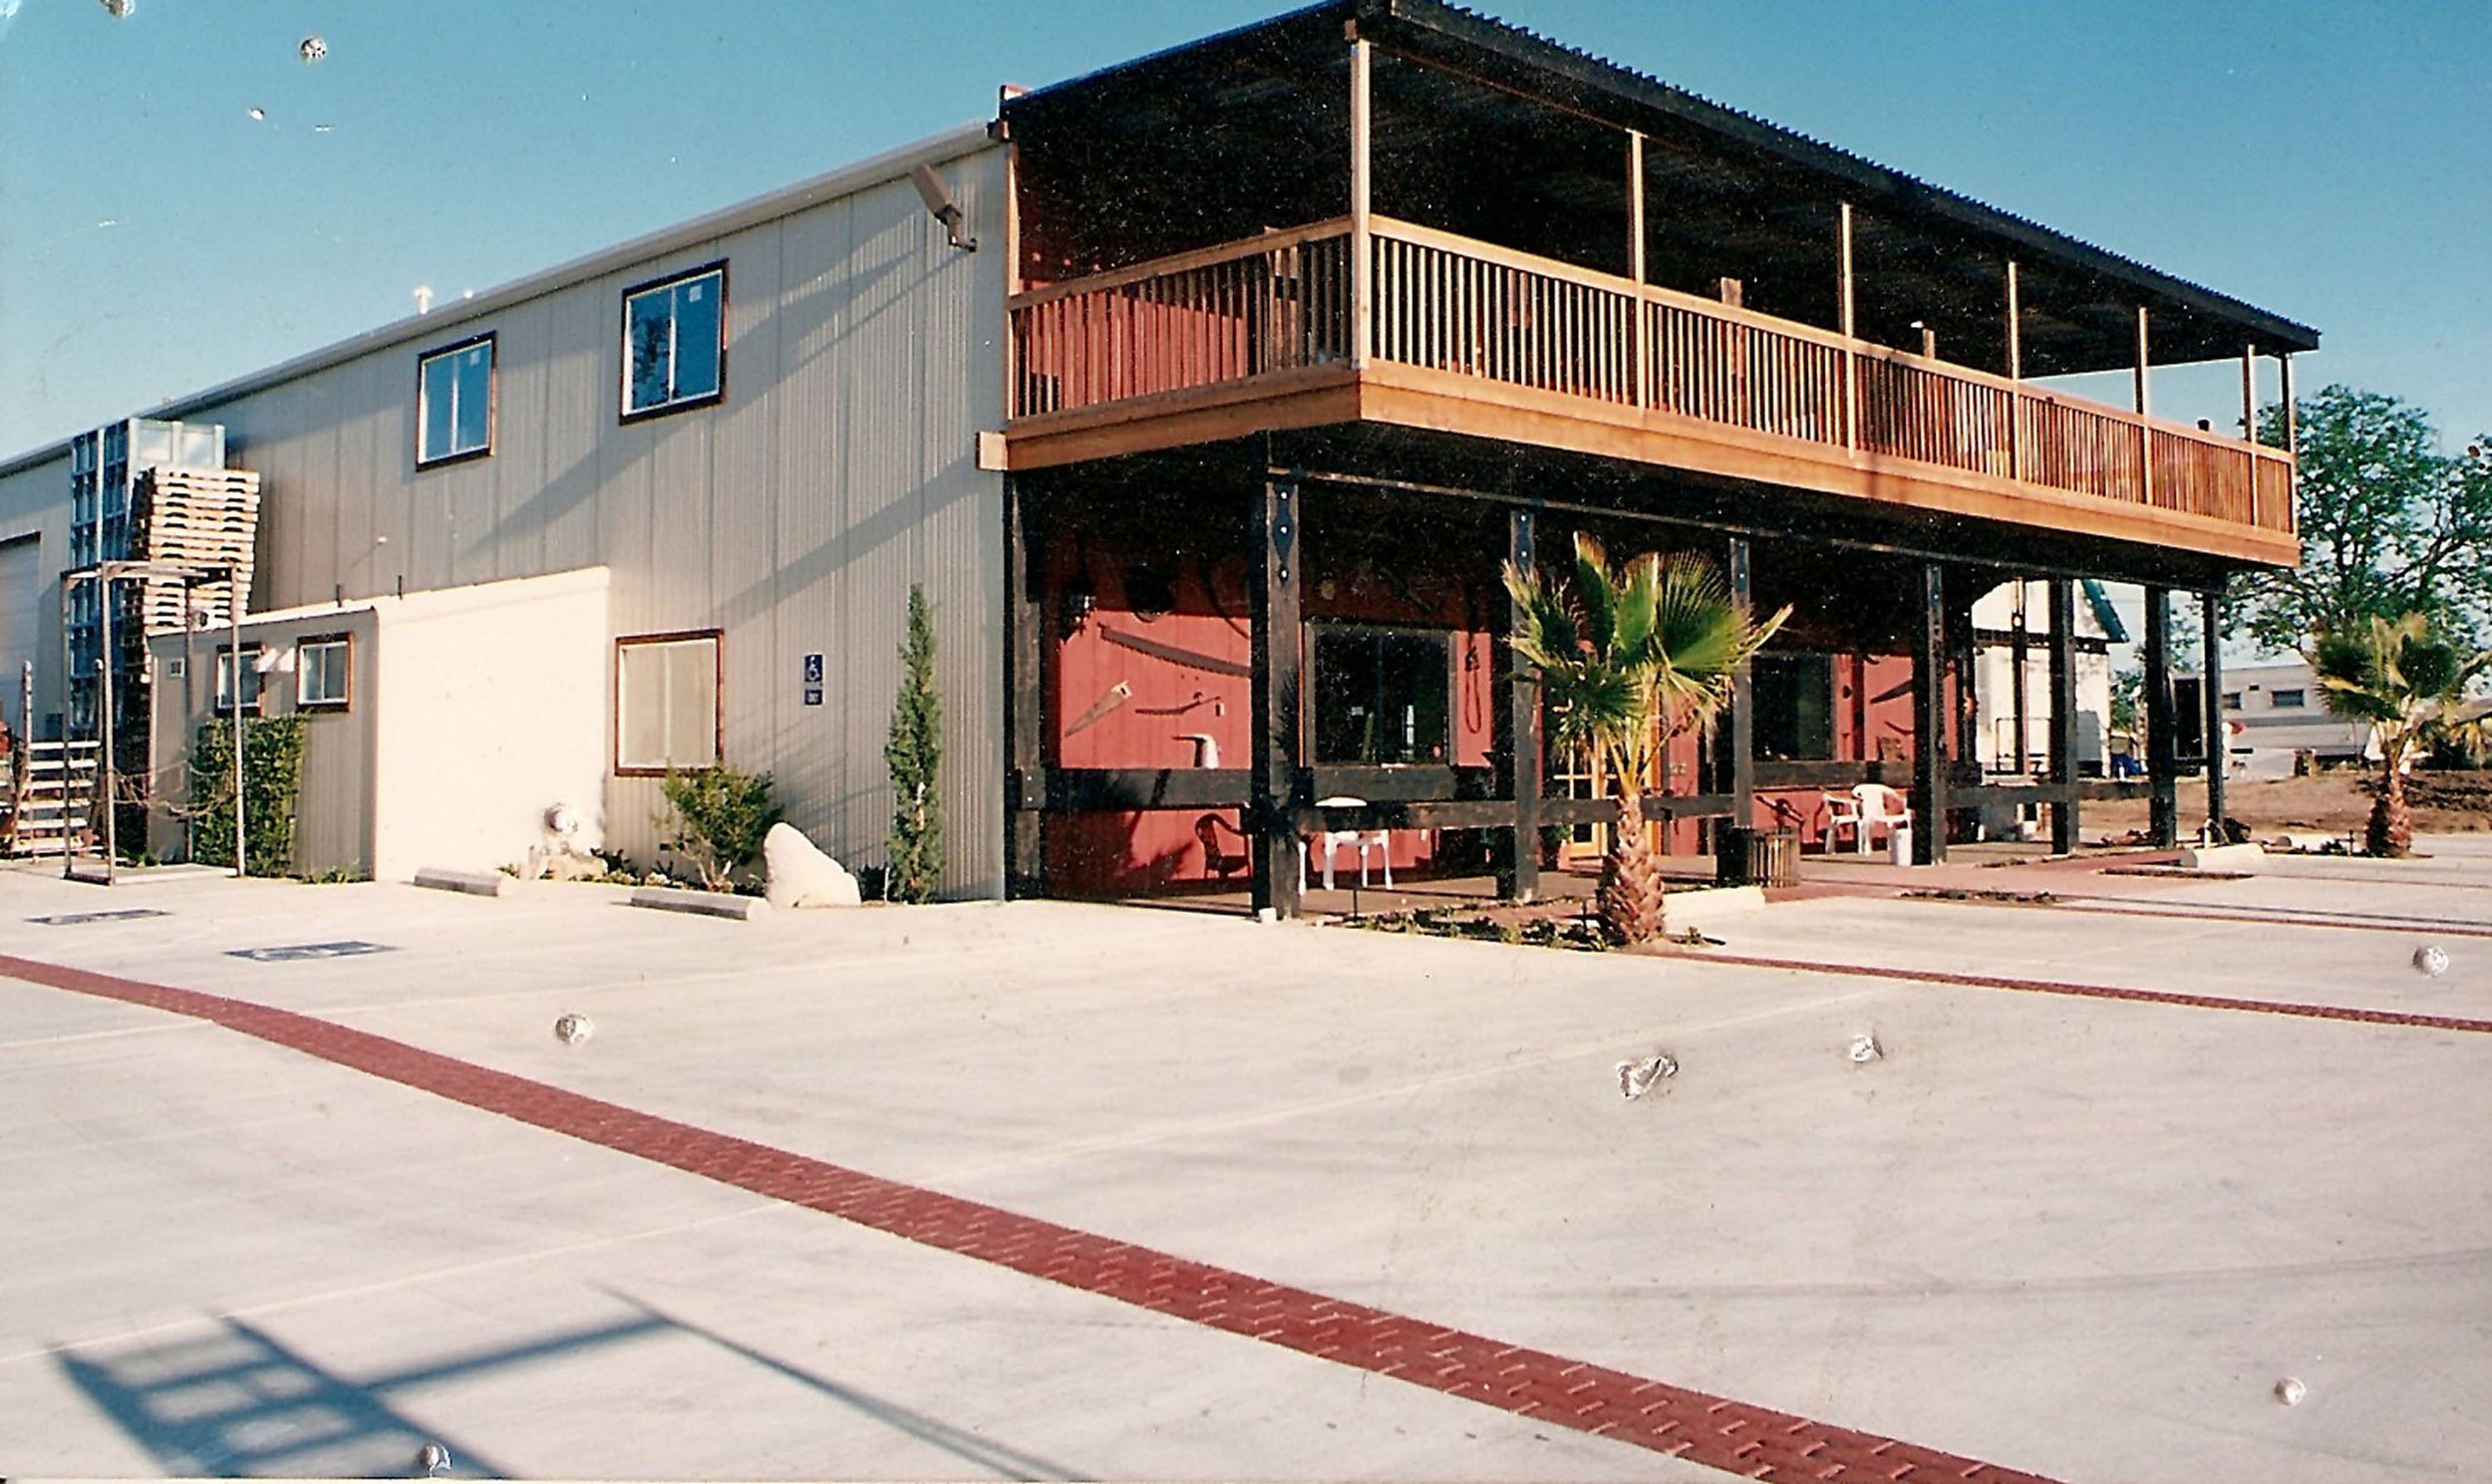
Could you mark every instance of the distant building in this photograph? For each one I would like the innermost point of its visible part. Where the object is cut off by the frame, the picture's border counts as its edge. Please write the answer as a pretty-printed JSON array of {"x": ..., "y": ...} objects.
[{"x": 2276, "y": 712}]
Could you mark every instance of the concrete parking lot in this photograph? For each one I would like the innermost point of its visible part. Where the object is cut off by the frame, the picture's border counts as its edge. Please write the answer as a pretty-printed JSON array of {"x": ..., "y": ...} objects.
[{"x": 773, "y": 1217}]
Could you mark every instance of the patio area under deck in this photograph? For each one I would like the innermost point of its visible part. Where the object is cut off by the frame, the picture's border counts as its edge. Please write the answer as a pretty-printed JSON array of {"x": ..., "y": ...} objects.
[{"x": 1449, "y": 334}]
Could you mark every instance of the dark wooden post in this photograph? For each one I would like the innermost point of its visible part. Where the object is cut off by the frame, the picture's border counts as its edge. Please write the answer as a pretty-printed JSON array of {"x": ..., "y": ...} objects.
[
  {"x": 1743, "y": 727},
  {"x": 1928, "y": 721},
  {"x": 1276, "y": 659},
  {"x": 2020, "y": 681},
  {"x": 2162, "y": 767},
  {"x": 1515, "y": 724},
  {"x": 2063, "y": 808},
  {"x": 1025, "y": 691},
  {"x": 2219, "y": 742}
]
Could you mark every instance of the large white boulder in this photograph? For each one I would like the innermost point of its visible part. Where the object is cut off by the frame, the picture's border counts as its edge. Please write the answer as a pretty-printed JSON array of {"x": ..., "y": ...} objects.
[{"x": 800, "y": 875}]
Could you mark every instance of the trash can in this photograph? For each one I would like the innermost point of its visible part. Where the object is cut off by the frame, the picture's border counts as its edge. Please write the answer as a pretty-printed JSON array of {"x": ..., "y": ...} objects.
[
  {"x": 1758, "y": 857},
  {"x": 1899, "y": 845}
]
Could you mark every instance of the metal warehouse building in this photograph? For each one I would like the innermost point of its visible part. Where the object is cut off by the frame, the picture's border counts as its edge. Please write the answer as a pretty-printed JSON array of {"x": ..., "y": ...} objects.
[{"x": 1206, "y": 396}]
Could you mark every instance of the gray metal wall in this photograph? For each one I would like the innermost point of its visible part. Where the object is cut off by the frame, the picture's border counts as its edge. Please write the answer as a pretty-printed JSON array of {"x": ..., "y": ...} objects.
[
  {"x": 34, "y": 500},
  {"x": 864, "y": 355}
]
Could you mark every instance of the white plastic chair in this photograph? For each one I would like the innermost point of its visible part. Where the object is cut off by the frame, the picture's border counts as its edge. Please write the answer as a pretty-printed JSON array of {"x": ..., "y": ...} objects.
[
  {"x": 1361, "y": 840},
  {"x": 1863, "y": 810}
]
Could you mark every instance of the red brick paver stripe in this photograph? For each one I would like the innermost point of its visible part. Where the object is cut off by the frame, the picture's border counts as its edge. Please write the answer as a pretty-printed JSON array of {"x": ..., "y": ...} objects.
[
  {"x": 2094, "y": 990},
  {"x": 1755, "y": 1441}
]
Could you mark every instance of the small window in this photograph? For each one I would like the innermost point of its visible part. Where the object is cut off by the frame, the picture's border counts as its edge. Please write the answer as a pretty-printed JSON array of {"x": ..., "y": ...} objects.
[
  {"x": 2294, "y": 700},
  {"x": 675, "y": 343},
  {"x": 2231, "y": 700},
  {"x": 1792, "y": 698},
  {"x": 252, "y": 681},
  {"x": 320, "y": 673},
  {"x": 666, "y": 703},
  {"x": 455, "y": 402},
  {"x": 1380, "y": 696}
]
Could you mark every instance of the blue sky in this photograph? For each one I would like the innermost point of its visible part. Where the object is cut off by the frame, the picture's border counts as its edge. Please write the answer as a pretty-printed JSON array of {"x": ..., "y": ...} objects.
[{"x": 2325, "y": 160}]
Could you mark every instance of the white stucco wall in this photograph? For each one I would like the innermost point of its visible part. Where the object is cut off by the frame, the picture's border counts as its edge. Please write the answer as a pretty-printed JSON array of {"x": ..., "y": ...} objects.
[{"x": 492, "y": 705}]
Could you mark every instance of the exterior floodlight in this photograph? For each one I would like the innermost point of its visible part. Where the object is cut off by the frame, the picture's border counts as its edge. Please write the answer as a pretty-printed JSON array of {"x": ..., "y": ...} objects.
[{"x": 941, "y": 206}]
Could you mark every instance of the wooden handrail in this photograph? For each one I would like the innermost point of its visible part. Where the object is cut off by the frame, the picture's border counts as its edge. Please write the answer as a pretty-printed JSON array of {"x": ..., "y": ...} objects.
[
  {"x": 1200, "y": 257},
  {"x": 1502, "y": 315}
]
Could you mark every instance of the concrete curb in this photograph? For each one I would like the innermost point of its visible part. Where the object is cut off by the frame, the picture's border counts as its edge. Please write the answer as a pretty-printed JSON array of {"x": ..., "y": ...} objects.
[
  {"x": 474, "y": 883},
  {"x": 2222, "y": 857},
  {"x": 702, "y": 903}
]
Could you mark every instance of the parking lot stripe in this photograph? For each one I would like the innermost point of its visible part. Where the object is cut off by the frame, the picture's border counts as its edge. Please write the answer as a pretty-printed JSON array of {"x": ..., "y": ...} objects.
[{"x": 1752, "y": 1441}]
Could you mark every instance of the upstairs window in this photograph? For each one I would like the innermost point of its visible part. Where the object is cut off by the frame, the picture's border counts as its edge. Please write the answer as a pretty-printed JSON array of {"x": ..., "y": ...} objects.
[
  {"x": 666, "y": 703},
  {"x": 2231, "y": 700},
  {"x": 2294, "y": 700},
  {"x": 320, "y": 673},
  {"x": 455, "y": 402},
  {"x": 675, "y": 343}
]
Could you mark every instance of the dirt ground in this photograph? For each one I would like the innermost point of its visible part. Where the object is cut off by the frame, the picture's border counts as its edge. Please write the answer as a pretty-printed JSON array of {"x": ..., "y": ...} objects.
[{"x": 2334, "y": 802}]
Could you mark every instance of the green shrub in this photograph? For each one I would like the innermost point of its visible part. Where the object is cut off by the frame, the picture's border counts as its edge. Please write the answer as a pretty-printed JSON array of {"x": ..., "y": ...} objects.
[
  {"x": 915, "y": 756},
  {"x": 721, "y": 815},
  {"x": 272, "y": 784}
]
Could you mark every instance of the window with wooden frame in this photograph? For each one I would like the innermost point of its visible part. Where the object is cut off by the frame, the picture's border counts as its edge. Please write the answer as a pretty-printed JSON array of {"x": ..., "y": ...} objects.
[
  {"x": 323, "y": 672},
  {"x": 252, "y": 681},
  {"x": 455, "y": 402},
  {"x": 666, "y": 703},
  {"x": 1382, "y": 696},
  {"x": 1792, "y": 697},
  {"x": 675, "y": 343}
]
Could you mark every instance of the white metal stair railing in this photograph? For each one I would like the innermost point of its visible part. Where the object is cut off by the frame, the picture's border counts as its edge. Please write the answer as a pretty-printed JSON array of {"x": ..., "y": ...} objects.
[{"x": 56, "y": 806}]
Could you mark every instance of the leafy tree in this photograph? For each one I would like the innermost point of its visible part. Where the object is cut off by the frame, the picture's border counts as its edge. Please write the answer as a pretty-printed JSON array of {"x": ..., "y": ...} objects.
[
  {"x": 721, "y": 816},
  {"x": 1628, "y": 659},
  {"x": 2408, "y": 683},
  {"x": 2389, "y": 524},
  {"x": 914, "y": 755}
]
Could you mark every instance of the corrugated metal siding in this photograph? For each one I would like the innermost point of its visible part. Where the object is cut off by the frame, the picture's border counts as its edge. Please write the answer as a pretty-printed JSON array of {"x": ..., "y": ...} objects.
[
  {"x": 865, "y": 354},
  {"x": 35, "y": 500}
]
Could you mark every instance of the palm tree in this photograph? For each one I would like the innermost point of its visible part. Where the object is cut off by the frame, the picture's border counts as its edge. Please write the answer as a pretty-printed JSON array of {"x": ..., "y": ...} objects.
[
  {"x": 2410, "y": 684},
  {"x": 1628, "y": 659}
]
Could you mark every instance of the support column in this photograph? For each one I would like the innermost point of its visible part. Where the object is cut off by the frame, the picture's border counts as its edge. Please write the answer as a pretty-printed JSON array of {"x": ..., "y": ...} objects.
[
  {"x": 2016, "y": 373},
  {"x": 1276, "y": 664},
  {"x": 1743, "y": 718},
  {"x": 1515, "y": 736},
  {"x": 1928, "y": 721},
  {"x": 2162, "y": 769},
  {"x": 1024, "y": 624},
  {"x": 2020, "y": 681},
  {"x": 2219, "y": 742},
  {"x": 2249, "y": 393},
  {"x": 1362, "y": 201},
  {"x": 1640, "y": 338},
  {"x": 2145, "y": 408},
  {"x": 2063, "y": 808},
  {"x": 1844, "y": 306}
]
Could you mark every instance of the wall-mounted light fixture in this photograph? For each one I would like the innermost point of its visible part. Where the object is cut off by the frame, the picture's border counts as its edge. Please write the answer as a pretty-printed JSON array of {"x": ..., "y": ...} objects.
[{"x": 941, "y": 206}]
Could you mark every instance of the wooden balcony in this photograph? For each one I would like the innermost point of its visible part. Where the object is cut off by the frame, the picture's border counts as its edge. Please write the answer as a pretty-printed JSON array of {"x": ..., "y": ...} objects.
[{"x": 1450, "y": 334}]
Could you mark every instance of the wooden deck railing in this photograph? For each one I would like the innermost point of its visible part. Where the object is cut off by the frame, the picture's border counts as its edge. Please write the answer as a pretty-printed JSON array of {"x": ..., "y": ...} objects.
[{"x": 1284, "y": 302}]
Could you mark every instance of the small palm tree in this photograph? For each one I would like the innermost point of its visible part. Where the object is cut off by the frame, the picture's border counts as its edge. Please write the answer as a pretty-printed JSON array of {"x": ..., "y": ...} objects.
[
  {"x": 2410, "y": 684},
  {"x": 1628, "y": 659}
]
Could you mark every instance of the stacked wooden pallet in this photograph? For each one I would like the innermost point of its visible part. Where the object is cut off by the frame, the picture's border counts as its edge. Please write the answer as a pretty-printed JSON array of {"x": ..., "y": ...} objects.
[{"x": 197, "y": 520}]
